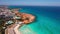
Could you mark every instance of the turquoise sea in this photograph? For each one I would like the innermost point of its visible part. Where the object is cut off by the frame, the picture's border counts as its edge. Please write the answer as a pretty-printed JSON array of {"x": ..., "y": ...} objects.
[{"x": 47, "y": 19}]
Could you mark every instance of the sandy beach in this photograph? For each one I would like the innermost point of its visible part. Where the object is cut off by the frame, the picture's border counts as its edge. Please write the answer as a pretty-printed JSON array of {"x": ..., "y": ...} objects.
[{"x": 13, "y": 29}]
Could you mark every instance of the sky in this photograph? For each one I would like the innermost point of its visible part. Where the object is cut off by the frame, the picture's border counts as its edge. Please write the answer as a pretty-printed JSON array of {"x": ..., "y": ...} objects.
[{"x": 31, "y": 2}]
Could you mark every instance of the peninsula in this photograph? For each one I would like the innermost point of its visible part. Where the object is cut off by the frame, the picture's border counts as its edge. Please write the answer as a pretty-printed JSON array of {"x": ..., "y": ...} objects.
[{"x": 12, "y": 19}]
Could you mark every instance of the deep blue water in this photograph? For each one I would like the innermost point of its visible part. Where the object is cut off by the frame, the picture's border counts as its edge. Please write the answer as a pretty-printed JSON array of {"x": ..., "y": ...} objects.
[{"x": 47, "y": 19}]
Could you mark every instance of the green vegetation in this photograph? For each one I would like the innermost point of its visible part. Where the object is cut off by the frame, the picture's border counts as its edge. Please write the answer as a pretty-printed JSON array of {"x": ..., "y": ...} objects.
[{"x": 1, "y": 25}]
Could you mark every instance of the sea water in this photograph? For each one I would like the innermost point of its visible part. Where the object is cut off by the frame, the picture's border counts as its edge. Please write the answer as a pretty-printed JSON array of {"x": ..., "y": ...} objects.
[{"x": 47, "y": 19}]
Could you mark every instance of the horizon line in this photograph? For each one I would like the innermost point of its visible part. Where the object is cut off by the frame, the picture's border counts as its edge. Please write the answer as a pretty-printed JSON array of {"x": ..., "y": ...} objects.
[{"x": 29, "y": 5}]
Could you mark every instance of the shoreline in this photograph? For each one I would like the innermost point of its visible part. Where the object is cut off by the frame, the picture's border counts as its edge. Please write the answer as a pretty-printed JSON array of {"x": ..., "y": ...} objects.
[
  {"x": 16, "y": 31},
  {"x": 13, "y": 29},
  {"x": 14, "y": 18}
]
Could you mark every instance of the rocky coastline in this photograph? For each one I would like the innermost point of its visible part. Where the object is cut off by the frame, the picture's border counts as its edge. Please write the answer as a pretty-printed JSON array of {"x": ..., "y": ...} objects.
[{"x": 12, "y": 19}]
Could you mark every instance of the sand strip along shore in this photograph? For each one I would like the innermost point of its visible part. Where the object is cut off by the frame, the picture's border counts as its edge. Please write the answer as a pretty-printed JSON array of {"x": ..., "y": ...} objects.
[{"x": 13, "y": 29}]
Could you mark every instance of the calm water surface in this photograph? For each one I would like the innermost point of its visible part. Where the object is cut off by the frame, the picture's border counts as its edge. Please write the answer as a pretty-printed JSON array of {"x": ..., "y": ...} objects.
[{"x": 47, "y": 19}]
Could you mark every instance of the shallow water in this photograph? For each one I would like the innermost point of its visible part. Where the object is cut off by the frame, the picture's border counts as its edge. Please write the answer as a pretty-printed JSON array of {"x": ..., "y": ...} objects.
[{"x": 47, "y": 20}]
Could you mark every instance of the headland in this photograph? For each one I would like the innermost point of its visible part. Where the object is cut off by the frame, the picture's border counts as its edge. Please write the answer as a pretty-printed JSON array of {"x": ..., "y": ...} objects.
[{"x": 12, "y": 19}]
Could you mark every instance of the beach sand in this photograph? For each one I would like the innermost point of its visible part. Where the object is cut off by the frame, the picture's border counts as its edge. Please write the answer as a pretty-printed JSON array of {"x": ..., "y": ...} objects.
[{"x": 13, "y": 29}]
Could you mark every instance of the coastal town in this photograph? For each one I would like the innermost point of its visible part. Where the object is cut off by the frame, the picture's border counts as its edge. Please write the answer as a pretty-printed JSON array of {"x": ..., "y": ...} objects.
[{"x": 12, "y": 19}]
